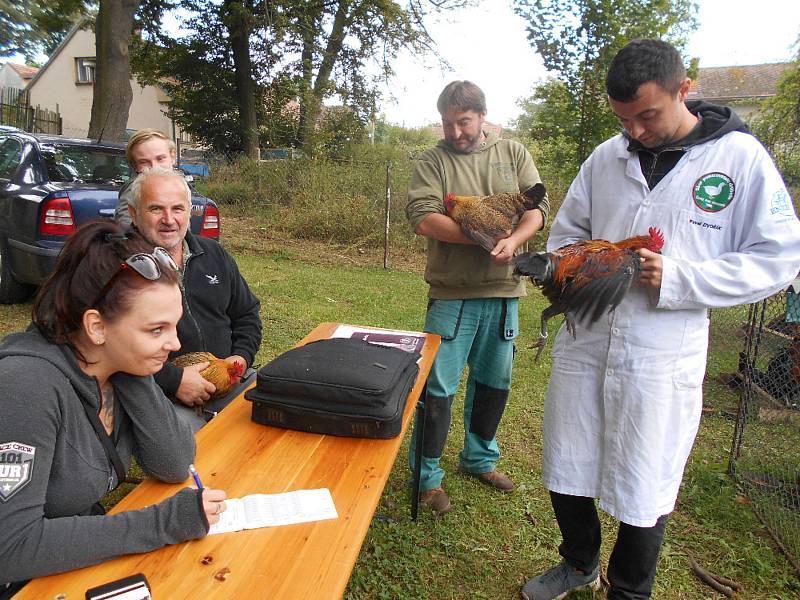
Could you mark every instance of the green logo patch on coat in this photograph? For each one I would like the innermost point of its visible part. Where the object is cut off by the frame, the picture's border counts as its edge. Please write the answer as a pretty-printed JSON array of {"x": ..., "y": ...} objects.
[{"x": 713, "y": 191}]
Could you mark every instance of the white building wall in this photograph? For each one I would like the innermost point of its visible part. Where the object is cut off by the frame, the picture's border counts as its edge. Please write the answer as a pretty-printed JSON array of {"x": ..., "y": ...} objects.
[
  {"x": 57, "y": 88},
  {"x": 9, "y": 78}
]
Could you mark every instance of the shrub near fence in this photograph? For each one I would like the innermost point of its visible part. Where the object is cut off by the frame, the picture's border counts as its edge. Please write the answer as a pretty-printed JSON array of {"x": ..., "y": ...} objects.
[
  {"x": 341, "y": 201},
  {"x": 333, "y": 200}
]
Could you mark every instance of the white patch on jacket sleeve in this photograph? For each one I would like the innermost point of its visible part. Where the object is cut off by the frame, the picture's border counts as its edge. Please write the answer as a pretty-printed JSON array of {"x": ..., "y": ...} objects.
[
  {"x": 781, "y": 204},
  {"x": 16, "y": 468}
]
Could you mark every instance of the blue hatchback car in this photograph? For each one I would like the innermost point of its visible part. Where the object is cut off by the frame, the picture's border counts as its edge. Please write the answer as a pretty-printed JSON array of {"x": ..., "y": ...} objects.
[{"x": 49, "y": 186}]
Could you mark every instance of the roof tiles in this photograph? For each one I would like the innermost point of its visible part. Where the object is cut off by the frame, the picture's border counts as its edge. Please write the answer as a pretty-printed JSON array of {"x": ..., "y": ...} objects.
[{"x": 749, "y": 81}]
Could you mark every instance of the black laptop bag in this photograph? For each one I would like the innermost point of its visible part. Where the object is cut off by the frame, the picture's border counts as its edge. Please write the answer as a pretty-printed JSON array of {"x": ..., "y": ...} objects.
[{"x": 336, "y": 386}]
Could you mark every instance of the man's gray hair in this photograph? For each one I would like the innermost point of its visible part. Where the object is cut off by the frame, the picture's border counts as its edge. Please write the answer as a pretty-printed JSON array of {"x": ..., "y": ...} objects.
[{"x": 160, "y": 173}]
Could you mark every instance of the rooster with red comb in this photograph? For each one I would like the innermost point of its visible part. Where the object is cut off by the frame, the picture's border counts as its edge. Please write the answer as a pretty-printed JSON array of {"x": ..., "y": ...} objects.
[{"x": 585, "y": 279}]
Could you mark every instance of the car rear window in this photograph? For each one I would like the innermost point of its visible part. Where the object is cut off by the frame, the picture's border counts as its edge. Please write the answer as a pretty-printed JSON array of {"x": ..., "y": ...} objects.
[{"x": 89, "y": 164}]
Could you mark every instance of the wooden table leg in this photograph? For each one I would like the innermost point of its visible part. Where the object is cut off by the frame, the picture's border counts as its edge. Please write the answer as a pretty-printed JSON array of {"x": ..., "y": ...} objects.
[{"x": 419, "y": 432}]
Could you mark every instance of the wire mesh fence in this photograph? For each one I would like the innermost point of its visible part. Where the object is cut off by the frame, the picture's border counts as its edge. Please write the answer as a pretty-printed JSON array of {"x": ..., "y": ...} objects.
[
  {"x": 354, "y": 201},
  {"x": 754, "y": 359}
]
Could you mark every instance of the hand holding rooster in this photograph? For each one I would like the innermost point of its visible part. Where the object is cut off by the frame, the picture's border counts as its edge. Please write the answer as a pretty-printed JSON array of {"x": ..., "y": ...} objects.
[
  {"x": 216, "y": 376},
  {"x": 585, "y": 279},
  {"x": 651, "y": 269},
  {"x": 505, "y": 248},
  {"x": 193, "y": 389}
]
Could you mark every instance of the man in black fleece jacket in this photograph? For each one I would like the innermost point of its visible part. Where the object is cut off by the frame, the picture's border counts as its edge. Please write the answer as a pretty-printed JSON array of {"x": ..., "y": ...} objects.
[{"x": 220, "y": 313}]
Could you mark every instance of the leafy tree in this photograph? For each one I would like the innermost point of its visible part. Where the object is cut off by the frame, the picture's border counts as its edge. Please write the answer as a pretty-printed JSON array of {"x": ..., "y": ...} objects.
[
  {"x": 411, "y": 142},
  {"x": 305, "y": 51},
  {"x": 338, "y": 130},
  {"x": 549, "y": 112},
  {"x": 337, "y": 42},
  {"x": 778, "y": 121},
  {"x": 240, "y": 19},
  {"x": 30, "y": 27},
  {"x": 549, "y": 126},
  {"x": 212, "y": 97},
  {"x": 577, "y": 40}
]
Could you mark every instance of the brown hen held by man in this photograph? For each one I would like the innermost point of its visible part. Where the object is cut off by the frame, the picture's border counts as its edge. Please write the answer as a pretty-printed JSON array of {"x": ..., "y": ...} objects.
[{"x": 483, "y": 219}]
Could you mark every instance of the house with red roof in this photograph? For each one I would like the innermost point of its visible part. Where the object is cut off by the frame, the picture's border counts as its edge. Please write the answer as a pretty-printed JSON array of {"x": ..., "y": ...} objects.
[
  {"x": 16, "y": 76},
  {"x": 743, "y": 88}
]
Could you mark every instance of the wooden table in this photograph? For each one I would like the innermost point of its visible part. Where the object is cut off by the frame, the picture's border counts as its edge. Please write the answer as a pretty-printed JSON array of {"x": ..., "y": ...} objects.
[{"x": 307, "y": 560}]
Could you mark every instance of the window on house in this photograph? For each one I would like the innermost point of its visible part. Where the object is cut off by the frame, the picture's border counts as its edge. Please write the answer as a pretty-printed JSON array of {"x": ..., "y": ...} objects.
[{"x": 85, "y": 69}]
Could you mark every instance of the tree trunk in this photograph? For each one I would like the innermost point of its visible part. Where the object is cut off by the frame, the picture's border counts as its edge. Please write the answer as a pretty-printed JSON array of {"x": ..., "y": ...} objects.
[
  {"x": 239, "y": 24},
  {"x": 113, "y": 95},
  {"x": 308, "y": 113},
  {"x": 311, "y": 99}
]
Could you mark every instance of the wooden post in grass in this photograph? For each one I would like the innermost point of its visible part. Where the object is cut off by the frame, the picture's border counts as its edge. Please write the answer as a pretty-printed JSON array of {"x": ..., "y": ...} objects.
[{"x": 386, "y": 216}]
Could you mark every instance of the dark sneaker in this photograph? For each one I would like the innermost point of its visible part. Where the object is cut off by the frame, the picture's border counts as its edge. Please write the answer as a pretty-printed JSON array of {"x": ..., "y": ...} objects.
[
  {"x": 497, "y": 479},
  {"x": 560, "y": 581},
  {"x": 435, "y": 499}
]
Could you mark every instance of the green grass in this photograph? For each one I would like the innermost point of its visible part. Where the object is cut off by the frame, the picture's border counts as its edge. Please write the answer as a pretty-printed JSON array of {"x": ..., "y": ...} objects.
[{"x": 491, "y": 543}]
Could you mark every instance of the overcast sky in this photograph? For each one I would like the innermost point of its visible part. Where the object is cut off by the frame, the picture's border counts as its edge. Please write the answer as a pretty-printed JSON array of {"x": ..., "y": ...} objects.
[{"x": 488, "y": 45}]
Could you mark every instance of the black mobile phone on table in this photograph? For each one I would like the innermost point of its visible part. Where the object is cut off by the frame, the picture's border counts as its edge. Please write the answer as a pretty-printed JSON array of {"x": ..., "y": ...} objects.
[{"x": 134, "y": 587}]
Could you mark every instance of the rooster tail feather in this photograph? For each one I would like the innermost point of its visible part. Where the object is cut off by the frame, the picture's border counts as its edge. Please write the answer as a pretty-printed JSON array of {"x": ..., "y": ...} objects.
[
  {"x": 534, "y": 196},
  {"x": 604, "y": 294}
]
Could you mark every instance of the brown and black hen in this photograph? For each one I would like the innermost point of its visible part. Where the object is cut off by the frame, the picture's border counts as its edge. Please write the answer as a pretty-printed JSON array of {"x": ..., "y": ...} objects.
[
  {"x": 484, "y": 218},
  {"x": 585, "y": 279}
]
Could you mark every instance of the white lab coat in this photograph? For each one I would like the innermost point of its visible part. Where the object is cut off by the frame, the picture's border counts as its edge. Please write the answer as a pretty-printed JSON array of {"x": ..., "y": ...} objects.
[{"x": 623, "y": 404}]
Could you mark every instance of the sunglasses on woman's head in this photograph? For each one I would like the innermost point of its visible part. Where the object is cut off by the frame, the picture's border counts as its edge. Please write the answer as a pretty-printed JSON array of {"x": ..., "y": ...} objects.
[{"x": 146, "y": 264}]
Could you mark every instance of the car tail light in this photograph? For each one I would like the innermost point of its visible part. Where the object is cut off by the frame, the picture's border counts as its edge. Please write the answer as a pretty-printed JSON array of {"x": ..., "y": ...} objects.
[
  {"x": 210, "y": 226},
  {"x": 56, "y": 217}
]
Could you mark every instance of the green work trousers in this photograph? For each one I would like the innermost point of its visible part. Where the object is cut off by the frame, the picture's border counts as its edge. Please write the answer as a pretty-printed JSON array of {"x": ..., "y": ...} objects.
[{"x": 479, "y": 333}]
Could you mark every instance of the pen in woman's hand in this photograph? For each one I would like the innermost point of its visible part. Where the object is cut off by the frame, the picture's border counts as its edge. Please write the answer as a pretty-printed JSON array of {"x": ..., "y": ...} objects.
[{"x": 196, "y": 477}]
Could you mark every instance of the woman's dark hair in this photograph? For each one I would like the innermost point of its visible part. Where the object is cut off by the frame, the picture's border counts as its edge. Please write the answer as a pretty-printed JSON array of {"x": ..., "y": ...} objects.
[
  {"x": 463, "y": 95},
  {"x": 92, "y": 256},
  {"x": 641, "y": 61}
]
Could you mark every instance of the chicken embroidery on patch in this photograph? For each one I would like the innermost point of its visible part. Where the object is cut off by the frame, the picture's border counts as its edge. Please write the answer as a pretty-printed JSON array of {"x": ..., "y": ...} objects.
[{"x": 713, "y": 191}]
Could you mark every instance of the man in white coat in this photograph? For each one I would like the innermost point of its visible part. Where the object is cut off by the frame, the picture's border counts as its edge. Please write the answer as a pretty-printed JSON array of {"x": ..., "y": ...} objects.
[{"x": 623, "y": 404}]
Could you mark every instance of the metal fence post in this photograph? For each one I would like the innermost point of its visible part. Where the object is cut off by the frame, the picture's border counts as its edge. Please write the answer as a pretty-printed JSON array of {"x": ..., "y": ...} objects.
[{"x": 386, "y": 217}]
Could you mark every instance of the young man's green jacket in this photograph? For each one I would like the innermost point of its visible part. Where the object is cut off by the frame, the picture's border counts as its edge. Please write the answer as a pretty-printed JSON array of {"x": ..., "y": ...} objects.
[{"x": 460, "y": 271}]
